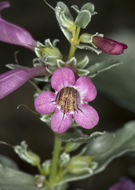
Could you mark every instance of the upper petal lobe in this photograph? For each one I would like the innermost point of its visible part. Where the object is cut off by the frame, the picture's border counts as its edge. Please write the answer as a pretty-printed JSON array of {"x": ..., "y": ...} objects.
[{"x": 62, "y": 77}]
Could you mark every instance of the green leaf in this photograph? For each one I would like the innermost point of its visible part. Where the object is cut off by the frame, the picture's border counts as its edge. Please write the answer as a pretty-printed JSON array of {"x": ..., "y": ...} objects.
[
  {"x": 106, "y": 148},
  {"x": 8, "y": 162},
  {"x": 118, "y": 83},
  {"x": 99, "y": 67},
  {"x": 12, "y": 179}
]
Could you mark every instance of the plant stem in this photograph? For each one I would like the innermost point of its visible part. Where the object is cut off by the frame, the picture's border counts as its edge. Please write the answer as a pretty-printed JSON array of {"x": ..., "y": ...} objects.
[
  {"x": 40, "y": 169},
  {"x": 56, "y": 153},
  {"x": 71, "y": 51},
  {"x": 74, "y": 43}
]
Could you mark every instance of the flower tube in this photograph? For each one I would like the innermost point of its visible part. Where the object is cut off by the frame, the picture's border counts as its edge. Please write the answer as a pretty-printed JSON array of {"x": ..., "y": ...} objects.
[
  {"x": 12, "y": 80},
  {"x": 13, "y": 34}
]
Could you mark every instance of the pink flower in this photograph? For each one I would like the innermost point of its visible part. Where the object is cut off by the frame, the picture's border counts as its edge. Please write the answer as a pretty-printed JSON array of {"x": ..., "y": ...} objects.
[
  {"x": 69, "y": 99},
  {"x": 13, "y": 34},
  {"x": 12, "y": 80},
  {"x": 123, "y": 184},
  {"x": 109, "y": 46}
]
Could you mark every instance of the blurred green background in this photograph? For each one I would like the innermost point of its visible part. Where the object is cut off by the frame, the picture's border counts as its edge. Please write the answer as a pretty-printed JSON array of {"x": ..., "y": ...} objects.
[{"x": 115, "y": 102}]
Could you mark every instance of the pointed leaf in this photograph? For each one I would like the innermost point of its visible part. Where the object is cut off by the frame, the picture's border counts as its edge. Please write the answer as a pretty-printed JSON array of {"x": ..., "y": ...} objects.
[
  {"x": 107, "y": 147},
  {"x": 122, "y": 78},
  {"x": 8, "y": 162},
  {"x": 99, "y": 67}
]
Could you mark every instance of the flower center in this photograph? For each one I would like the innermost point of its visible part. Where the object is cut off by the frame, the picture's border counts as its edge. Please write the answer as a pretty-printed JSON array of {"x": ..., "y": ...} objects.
[{"x": 68, "y": 99}]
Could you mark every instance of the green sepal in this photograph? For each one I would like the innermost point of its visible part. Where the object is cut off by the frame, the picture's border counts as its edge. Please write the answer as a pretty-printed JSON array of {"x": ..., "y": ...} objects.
[
  {"x": 89, "y": 7},
  {"x": 82, "y": 72},
  {"x": 90, "y": 48},
  {"x": 15, "y": 66},
  {"x": 83, "y": 62},
  {"x": 64, "y": 19},
  {"x": 83, "y": 19},
  {"x": 86, "y": 38},
  {"x": 64, "y": 160},
  {"x": 76, "y": 135},
  {"x": 84, "y": 14},
  {"x": 46, "y": 118}
]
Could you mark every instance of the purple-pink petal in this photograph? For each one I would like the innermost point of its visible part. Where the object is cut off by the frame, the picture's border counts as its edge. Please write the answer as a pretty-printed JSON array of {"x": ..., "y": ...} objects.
[
  {"x": 4, "y": 4},
  {"x": 13, "y": 34},
  {"x": 44, "y": 103},
  {"x": 62, "y": 77},
  {"x": 86, "y": 88},
  {"x": 87, "y": 117},
  {"x": 13, "y": 79},
  {"x": 109, "y": 46},
  {"x": 123, "y": 184},
  {"x": 61, "y": 122}
]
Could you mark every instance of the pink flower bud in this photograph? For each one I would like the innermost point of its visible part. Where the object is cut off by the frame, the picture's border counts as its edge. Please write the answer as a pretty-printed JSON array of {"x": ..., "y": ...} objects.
[{"x": 109, "y": 46}]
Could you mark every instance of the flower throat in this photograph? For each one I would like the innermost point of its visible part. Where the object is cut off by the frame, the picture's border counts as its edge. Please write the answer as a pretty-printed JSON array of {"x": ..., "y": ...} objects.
[{"x": 68, "y": 99}]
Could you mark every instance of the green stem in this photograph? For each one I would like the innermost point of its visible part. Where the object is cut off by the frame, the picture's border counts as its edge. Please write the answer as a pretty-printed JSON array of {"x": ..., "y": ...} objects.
[
  {"x": 77, "y": 33},
  {"x": 56, "y": 153},
  {"x": 40, "y": 169},
  {"x": 71, "y": 51},
  {"x": 74, "y": 43}
]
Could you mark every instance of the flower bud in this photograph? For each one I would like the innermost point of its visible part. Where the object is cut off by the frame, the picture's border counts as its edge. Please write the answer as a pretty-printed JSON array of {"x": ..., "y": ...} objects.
[
  {"x": 27, "y": 155},
  {"x": 48, "y": 52},
  {"x": 81, "y": 165},
  {"x": 47, "y": 167},
  {"x": 109, "y": 46}
]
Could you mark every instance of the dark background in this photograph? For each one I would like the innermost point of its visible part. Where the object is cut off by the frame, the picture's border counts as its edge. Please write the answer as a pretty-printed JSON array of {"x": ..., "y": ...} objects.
[{"x": 17, "y": 125}]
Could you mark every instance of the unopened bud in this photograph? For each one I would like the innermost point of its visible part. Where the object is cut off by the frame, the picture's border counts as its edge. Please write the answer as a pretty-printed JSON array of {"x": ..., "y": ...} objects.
[
  {"x": 27, "y": 155},
  {"x": 47, "y": 167},
  {"x": 81, "y": 164}
]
